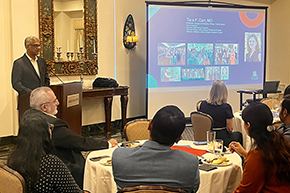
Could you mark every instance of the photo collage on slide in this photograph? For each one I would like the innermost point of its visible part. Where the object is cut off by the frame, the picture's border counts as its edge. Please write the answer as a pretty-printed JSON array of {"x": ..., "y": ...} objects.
[{"x": 205, "y": 61}]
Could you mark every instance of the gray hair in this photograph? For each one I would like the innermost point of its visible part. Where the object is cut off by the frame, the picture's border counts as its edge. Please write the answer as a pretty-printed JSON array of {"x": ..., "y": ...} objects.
[
  {"x": 30, "y": 40},
  {"x": 39, "y": 96},
  {"x": 218, "y": 93}
]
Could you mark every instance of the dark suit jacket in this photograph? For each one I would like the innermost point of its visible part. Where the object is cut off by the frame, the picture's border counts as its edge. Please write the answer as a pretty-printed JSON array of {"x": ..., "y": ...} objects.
[
  {"x": 68, "y": 145},
  {"x": 24, "y": 77}
]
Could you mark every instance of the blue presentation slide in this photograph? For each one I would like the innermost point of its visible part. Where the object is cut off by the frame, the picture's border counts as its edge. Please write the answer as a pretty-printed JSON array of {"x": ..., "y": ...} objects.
[{"x": 191, "y": 46}]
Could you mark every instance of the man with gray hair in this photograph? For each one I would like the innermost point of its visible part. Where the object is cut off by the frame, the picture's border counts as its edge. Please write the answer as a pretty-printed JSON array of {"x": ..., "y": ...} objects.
[
  {"x": 29, "y": 71},
  {"x": 68, "y": 145}
]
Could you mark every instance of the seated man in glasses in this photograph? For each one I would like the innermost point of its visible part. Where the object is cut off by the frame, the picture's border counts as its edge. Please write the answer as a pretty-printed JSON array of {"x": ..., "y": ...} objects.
[
  {"x": 68, "y": 145},
  {"x": 155, "y": 163}
]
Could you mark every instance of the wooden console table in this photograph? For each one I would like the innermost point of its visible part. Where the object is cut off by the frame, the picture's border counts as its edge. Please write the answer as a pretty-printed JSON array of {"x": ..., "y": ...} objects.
[{"x": 107, "y": 94}]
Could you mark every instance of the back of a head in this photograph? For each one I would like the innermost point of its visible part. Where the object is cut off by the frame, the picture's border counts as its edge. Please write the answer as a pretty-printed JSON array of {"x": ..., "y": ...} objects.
[
  {"x": 259, "y": 116},
  {"x": 218, "y": 93},
  {"x": 33, "y": 140},
  {"x": 273, "y": 147},
  {"x": 286, "y": 104},
  {"x": 287, "y": 92},
  {"x": 33, "y": 132},
  {"x": 167, "y": 125}
]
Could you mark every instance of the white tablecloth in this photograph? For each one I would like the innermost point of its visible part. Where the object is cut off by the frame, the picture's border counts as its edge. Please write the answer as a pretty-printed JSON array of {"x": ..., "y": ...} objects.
[
  {"x": 239, "y": 126},
  {"x": 99, "y": 178}
]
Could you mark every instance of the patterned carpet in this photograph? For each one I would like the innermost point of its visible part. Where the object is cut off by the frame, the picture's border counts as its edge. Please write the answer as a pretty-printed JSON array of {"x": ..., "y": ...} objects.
[
  {"x": 188, "y": 134},
  {"x": 4, "y": 152}
]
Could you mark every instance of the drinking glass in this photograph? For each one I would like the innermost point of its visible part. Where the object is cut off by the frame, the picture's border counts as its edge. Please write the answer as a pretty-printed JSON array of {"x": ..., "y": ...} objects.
[
  {"x": 219, "y": 146},
  {"x": 211, "y": 140}
]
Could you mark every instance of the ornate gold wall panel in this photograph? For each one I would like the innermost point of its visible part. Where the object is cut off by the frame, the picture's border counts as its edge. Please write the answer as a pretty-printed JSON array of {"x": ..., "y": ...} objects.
[{"x": 47, "y": 40}]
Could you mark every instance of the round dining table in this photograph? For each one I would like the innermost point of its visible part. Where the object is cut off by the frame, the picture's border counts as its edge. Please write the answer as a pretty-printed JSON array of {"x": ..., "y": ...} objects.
[{"x": 98, "y": 177}]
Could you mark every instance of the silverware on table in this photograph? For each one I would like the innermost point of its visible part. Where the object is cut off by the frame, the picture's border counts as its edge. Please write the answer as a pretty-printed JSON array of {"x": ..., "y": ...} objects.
[{"x": 95, "y": 159}]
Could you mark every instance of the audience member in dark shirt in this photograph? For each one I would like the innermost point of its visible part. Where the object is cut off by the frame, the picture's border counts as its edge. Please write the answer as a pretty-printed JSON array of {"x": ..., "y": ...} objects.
[
  {"x": 221, "y": 112},
  {"x": 33, "y": 158}
]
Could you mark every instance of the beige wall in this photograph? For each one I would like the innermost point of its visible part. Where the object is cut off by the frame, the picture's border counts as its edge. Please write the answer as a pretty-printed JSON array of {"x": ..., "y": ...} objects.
[
  {"x": 130, "y": 65},
  {"x": 279, "y": 42},
  {"x": 7, "y": 95}
]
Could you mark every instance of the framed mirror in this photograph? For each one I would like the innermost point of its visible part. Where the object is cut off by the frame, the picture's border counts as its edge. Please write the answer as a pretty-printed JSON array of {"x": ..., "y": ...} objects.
[{"x": 68, "y": 36}]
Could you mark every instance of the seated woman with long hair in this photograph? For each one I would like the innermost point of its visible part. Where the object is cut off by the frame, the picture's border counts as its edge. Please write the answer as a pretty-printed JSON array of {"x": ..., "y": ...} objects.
[
  {"x": 221, "y": 112},
  {"x": 33, "y": 158},
  {"x": 267, "y": 164}
]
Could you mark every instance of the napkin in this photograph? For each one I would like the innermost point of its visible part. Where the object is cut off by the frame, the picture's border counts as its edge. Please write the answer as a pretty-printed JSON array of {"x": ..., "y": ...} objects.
[
  {"x": 197, "y": 152},
  {"x": 207, "y": 168}
]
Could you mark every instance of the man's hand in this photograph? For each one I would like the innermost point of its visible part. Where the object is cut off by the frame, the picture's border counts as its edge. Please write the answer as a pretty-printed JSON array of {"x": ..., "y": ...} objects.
[{"x": 113, "y": 142}]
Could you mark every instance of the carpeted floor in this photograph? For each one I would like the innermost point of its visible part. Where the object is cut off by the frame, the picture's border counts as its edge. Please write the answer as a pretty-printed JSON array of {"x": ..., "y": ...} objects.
[
  {"x": 188, "y": 134},
  {"x": 4, "y": 153}
]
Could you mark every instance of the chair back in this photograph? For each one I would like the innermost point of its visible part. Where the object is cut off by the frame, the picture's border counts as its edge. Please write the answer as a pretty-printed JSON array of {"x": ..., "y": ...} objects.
[
  {"x": 11, "y": 181},
  {"x": 198, "y": 104},
  {"x": 272, "y": 103},
  {"x": 137, "y": 130},
  {"x": 201, "y": 123},
  {"x": 151, "y": 189}
]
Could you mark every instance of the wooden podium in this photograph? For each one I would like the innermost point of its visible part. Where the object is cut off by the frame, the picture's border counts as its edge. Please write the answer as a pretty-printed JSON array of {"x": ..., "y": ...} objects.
[
  {"x": 69, "y": 109},
  {"x": 69, "y": 96},
  {"x": 23, "y": 105}
]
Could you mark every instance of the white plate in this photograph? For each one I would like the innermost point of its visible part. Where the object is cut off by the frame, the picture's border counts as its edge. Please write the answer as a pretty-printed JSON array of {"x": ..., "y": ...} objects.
[
  {"x": 226, "y": 164},
  {"x": 227, "y": 152},
  {"x": 130, "y": 144},
  {"x": 105, "y": 162}
]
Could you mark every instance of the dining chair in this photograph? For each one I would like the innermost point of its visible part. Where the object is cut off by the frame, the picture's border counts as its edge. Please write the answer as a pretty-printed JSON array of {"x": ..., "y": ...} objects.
[
  {"x": 198, "y": 104},
  {"x": 11, "y": 181},
  {"x": 201, "y": 123},
  {"x": 151, "y": 189},
  {"x": 137, "y": 130}
]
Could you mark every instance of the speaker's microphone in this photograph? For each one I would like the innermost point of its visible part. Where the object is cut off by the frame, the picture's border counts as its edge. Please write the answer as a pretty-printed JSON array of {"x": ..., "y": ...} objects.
[{"x": 56, "y": 76}]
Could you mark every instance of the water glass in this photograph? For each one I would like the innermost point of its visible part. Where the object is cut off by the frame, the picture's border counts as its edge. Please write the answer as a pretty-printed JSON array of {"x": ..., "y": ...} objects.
[
  {"x": 219, "y": 146},
  {"x": 211, "y": 140}
]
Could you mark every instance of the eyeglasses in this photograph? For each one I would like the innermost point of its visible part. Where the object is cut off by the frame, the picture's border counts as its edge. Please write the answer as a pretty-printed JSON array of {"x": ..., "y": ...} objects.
[
  {"x": 51, "y": 127},
  {"x": 55, "y": 101},
  {"x": 35, "y": 45}
]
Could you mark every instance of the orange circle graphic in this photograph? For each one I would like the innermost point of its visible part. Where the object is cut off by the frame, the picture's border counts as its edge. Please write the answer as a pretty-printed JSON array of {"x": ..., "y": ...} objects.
[{"x": 251, "y": 22}]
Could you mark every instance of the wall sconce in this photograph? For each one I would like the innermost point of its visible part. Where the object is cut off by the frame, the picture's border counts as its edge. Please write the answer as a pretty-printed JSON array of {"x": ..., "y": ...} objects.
[{"x": 129, "y": 36}]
